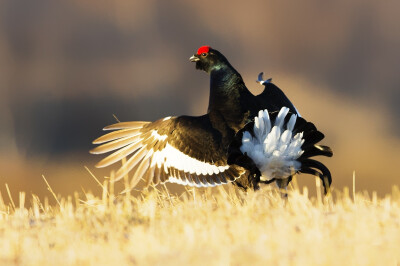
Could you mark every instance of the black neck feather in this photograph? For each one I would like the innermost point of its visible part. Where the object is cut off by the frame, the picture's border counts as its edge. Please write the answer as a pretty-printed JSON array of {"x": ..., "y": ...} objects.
[{"x": 226, "y": 86}]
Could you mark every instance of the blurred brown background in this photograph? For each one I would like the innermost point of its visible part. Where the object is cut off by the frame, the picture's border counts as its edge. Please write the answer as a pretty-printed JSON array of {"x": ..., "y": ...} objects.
[{"x": 67, "y": 66}]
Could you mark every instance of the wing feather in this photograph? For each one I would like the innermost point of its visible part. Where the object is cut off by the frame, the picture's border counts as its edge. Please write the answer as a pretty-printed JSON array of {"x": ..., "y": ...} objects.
[
  {"x": 142, "y": 168},
  {"x": 163, "y": 174},
  {"x": 190, "y": 179},
  {"x": 119, "y": 155},
  {"x": 157, "y": 172},
  {"x": 124, "y": 125},
  {"x": 183, "y": 150},
  {"x": 209, "y": 179},
  {"x": 116, "y": 144},
  {"x": 273, "y": 99},
  {"x": 222, "y": 178},
  {"x": 116, "y": 135},
  {"x": 132, "y": 162}
]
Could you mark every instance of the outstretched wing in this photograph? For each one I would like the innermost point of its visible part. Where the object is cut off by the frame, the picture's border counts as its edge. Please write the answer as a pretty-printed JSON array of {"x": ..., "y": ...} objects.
[
  {"x": 273, "y": 98},
  {"x": 184, "y": 150}
]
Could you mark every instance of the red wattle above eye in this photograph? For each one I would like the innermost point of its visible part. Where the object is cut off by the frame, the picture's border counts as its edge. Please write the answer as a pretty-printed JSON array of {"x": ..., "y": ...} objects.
[{"x": 203, "y": 49}]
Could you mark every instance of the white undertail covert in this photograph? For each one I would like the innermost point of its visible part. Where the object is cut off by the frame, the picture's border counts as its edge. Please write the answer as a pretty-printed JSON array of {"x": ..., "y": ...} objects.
[{"x": 273, "y": 148}]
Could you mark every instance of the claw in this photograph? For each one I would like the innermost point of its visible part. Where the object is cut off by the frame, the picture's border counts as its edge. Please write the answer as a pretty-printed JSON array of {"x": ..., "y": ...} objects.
[{"x": 261, "y": 81}]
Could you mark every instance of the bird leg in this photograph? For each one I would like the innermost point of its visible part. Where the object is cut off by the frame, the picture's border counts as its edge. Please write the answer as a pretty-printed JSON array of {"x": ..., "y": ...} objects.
[
  {"x": 282, "y": 184},
  {"x": 255, "y": 180}
]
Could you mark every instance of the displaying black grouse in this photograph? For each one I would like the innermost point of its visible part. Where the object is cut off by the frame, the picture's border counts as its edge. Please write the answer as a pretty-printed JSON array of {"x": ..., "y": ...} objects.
[{"x": 194, "y": 151}]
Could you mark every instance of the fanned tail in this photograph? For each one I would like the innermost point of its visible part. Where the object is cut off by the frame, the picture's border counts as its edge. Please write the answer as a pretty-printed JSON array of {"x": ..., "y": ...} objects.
[{"x": 276, "y": 145}]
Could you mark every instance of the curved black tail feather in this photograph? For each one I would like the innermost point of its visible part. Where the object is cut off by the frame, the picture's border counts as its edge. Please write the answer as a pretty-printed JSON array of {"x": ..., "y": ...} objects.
[
  {"x": 310, "y": 147},
  {"x": 313, "y": 167}
]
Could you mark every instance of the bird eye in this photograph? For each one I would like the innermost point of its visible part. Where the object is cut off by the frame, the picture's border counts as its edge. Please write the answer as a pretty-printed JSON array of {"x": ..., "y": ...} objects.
[{"x": 204, "y": 54}]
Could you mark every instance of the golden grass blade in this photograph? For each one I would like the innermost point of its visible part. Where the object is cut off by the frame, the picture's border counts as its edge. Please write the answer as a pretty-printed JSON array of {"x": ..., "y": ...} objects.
[
  {"x": 151, "y": 226},
  {"x": 51, "y": 191},
  {"x": 354, "y": 186},
  {"x": 94, "y": 177},
  {"x": 9, "y": 196}
]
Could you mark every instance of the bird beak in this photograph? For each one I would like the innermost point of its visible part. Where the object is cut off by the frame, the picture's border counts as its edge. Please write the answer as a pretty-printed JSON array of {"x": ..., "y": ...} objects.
[{"x": 194, "y": 58}]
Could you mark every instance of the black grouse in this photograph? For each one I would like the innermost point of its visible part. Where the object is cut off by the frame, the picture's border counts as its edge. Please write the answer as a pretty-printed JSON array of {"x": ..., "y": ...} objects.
[{"x": 244, "y": 139}]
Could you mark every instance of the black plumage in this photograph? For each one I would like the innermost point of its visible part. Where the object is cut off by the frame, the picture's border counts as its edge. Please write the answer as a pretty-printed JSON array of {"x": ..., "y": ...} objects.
[
  {"x": 273, "y": 97},
  {"x": 192, "y": 150},
  {"x": 310, "y": 149}
]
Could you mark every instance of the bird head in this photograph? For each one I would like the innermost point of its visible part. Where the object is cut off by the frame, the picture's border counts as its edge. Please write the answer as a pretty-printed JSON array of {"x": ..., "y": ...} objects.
[{"x": 208, "y": 59}]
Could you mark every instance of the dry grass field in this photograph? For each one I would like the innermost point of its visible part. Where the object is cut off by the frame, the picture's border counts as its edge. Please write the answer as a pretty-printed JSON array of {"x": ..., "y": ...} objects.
[
  {"x": 69, "y": 68},
  {"x": 222, "y": 226}
]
